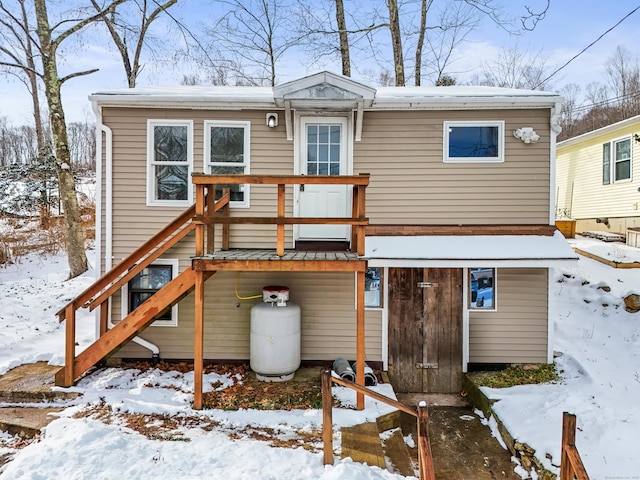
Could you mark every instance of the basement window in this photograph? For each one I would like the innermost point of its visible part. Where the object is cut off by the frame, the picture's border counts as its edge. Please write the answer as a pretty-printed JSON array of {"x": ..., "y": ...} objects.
[
  {"x": 146, "y": 283},
  {"x": 471, "y": 141},
  {"x": 482, "y": 294}
]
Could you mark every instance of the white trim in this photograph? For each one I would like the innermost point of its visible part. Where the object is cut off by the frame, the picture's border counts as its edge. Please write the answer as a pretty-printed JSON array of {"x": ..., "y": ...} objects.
[
  {"x": 494, "y": 296},
  {"x": 465, "y": 320},
  {"x": 447, "y": 125},
  {"x": 151, "y": 201},
  {"x": 385, "y": 321},
  {"x": 550, "y": 326},
  {"x": 612, "y": 159},
  {"x": 124, "y": 304},
  {"x": 471, "y": 263},
  {"x": 555, "y": 130},
  {"x": 207, "y": 164}
]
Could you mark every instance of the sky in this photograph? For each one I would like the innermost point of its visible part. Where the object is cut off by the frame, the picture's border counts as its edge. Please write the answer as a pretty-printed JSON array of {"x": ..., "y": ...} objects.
[
  {"x": 596, "y": 348},
  {"x": 569, "y": 27}
]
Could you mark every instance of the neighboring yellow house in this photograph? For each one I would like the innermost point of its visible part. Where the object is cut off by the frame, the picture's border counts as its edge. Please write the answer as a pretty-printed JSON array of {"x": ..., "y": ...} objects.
[{"x": 598, "y": 178}]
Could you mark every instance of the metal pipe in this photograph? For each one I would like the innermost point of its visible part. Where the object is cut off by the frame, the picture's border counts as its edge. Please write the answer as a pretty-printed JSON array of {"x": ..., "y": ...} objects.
[
  {"x": 370, "y": 379},
  {"x": 344, "y": 370}
]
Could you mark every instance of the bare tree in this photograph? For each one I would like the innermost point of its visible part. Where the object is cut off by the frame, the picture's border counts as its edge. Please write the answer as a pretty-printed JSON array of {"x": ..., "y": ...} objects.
[
  {"x": 122, "y": 30},
  {"x": 49, "y": 42},
  {"x": 515, "y": 68},
  {"x": 624, "y": 80},
  {"x": 345, "y": 54},
  {"x": 254, "y": 35}
]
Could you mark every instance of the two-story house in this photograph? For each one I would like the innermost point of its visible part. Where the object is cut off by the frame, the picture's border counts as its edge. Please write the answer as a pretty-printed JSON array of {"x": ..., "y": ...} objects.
[{"x": 413, "y": 226}]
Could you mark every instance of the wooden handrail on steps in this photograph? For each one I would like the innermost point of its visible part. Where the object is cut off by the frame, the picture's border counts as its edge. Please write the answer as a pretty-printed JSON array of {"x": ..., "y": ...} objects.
[
  {"x": 111, "y": 282},
  {"x": 425, "y": 460},
  {"x": 571, "y": 466}
]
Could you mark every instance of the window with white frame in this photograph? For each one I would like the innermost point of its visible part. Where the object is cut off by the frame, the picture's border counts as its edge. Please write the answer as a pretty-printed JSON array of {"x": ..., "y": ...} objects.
[
  {"x": 226, "y": 151},
  {"x": 169, "y": 162},
  {"x": 145, "y": 284},
  {"x": 470, "y": 141},
  {"x": 482, "y": 284},
  {"x": 616, "y": 161}
]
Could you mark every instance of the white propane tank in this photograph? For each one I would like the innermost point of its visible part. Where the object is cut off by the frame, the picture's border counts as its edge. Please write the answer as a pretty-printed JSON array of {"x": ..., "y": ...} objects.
[{"x": 275, "y": 336}]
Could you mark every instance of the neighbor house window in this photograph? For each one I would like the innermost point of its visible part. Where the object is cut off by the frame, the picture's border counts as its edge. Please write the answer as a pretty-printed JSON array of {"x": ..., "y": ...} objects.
[
  {"x": 373, "y": 288},
  {"x": 169, "y": 162},
  {"x": 616, "y": 161},
  {"x": 227, "y": 152},
  {"x": 474, "y": 141},
  {"x": 482, "y": 295},
  {"x": 146, "y": 283}
]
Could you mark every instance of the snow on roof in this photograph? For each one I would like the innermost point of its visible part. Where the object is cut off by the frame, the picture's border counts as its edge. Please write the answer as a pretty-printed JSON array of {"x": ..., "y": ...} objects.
[
  {"x": 469, "y": 250},
  {"x": 385, "y": 97}
]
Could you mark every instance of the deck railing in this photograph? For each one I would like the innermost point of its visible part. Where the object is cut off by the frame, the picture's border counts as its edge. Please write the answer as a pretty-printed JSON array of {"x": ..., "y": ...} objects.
[
  {"x": 206, "y": 220},
  {"x": 425, "y": 460},
  {"x": 571, "y": 466}
]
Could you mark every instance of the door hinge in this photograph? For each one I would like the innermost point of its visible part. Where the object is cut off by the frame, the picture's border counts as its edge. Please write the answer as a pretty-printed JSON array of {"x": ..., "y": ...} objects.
[{"x": 426, "y": 365}]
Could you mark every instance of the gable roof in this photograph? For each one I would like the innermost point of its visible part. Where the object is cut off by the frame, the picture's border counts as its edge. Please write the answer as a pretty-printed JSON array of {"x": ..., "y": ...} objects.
[{"x": 326, "y": 89}]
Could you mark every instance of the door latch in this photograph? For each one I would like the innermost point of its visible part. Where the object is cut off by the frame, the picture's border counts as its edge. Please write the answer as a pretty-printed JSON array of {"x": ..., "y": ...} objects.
[
  {"x": 302, "y": 187},
  {"x": 425, "y": 284},
  {"x": 426, "y": 365}
]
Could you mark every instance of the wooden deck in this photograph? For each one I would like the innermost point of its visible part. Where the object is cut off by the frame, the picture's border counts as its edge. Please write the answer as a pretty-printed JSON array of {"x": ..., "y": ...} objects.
[{"x": 269, "y": 260}]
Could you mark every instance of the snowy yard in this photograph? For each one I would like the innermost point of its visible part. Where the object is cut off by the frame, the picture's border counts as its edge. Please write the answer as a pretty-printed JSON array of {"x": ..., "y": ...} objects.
[{"x": 596, "y": 341}]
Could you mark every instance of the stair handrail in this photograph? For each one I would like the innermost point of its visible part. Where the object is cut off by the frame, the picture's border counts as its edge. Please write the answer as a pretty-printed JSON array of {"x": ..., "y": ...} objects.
[
  {"x": 137, "y": 260},
  {"x": 425, "y": 460}
]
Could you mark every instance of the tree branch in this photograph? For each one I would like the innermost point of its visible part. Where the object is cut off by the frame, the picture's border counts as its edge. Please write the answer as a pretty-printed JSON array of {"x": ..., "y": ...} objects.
[{"x": 78, "y": 74}]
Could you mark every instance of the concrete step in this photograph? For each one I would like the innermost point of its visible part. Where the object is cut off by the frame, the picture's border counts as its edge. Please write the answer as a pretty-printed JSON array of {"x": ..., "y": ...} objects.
[
  {"x": 362, "y": 443},
  {"x": 26, "y": 422},
  {"x": 31, "y": 383}
]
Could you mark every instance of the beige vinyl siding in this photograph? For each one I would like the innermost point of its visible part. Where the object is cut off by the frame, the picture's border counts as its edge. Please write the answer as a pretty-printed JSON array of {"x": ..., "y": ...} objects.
[
  {"x": 410, "y": 184},
  {"x": 517, "y": 331},
  {"x": 328, "y": 318},
  {"x": 579, "y": 181}
]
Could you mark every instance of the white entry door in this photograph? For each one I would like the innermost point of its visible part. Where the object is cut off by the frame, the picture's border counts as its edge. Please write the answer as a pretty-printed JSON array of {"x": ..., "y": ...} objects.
[{"x": 324, "y": 151}]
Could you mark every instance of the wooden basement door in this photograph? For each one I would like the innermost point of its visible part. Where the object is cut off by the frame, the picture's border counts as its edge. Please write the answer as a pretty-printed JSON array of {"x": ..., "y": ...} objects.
[{"x": 425, "y": 329}]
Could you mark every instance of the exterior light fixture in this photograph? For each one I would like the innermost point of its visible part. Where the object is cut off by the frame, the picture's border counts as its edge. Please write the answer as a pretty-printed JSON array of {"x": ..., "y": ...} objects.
[
  {"x": 272, "y": 120},
  {"x": 526, "y": 134},
  {"x": 636, "y": 137}
]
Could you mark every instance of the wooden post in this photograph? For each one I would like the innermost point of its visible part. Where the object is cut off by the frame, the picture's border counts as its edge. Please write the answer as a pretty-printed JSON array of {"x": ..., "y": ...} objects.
[
  {"x": 354, "y": 214},
  {"x": 280, "y": 241},
  {"x": 199, "y": 227},
  {"x": 70, "y": 344},
  {"x": 425, "y": 461},
  {"x": 104, "y": 317},
  {"x": 327, "y": 418},
  {"x": 361, "y": 214},
  {"x": 360, "y": 338},
  {"x": 198, "y": 335},
  {"x": 210, "y": 211},
  {"x": 225, "y": 213},
  {"x": 568, "y": 440}
]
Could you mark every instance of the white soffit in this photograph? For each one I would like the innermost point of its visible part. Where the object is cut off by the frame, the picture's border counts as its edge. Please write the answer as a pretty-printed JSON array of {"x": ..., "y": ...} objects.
[{"x": 469, "y": 251}]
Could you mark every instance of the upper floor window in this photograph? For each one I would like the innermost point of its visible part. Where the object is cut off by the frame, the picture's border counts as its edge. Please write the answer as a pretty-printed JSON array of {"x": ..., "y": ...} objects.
[
  {"x": 471, "y": 141},
  {"x": 169, "y": 162},
  {"x": 616, "y": 161},
  {"x": 226, "y": 151}
]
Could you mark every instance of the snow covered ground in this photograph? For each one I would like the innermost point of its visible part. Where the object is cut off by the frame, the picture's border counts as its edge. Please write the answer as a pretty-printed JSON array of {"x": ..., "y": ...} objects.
[{"x": 597, "y": 343}]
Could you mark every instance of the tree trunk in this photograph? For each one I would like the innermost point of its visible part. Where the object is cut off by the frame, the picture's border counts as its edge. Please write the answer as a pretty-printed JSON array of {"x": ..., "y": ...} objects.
[
  {"x": 344, "y": 39},
  {"x": 74, "y": 234},
  {"x": 396, "y": 42},
  {"x": 419, "y": 46}
]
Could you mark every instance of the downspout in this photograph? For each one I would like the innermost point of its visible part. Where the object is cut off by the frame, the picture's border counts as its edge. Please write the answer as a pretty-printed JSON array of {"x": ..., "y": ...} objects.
[
  {"x": 105, "y": 132},
  {"x": 555, "y": 131}
]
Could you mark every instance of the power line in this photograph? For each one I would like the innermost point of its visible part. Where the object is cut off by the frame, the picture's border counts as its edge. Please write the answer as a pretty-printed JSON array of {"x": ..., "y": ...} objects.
[
  {"x": 589, "y": 46},
  {"x": 606, "y": 101}
]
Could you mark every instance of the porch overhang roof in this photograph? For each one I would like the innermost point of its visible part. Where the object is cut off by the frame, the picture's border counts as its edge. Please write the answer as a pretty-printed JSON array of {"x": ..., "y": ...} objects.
[{"x": 422, "y": 251}]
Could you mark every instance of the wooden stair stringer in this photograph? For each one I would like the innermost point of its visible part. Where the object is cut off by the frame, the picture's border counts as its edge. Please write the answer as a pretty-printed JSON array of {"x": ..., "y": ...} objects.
[{"x": 132, "y": 324}]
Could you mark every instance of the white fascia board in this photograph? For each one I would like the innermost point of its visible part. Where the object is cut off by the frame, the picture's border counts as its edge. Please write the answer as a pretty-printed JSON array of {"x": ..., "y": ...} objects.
[{"x": 472, "y": 263}]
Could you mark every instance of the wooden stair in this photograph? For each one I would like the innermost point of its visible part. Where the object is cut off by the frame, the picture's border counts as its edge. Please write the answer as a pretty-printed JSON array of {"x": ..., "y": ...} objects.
[
  {"x": 130, "y": 326},
  {"x": 379, "y": 444}
]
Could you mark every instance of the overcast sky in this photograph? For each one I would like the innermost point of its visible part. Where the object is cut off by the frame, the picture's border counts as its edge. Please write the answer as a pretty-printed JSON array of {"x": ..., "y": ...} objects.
[{"x": 569, "y": 27}]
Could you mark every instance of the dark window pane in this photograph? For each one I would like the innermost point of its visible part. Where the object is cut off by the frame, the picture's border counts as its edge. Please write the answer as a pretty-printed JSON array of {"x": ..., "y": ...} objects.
[
  {"x": 474, "y": 142},
  {"x": 172, "y": 182},
  {"x": 335, "y": 133},
  {"x": 334, "y": 153},
  {"x": 146, "y": 283},
  {"x": 606, "y": 163},
  {"x": 237, "y": 191},
  {"x": 227, "y": 144},
  {"x": 323, "y": 134},
  {"x": 623, "y": 170},
  {"x": 323, "y": 168},
  {"x": 312, "y": 168},
  {"x": 170, "y": 143},
  {"x": 334, "y": 169},
  {"x": 623, "y": 150},
  {"x": 312, "y": 155},
  {"x": 323, "y": 153},
  {"x": 312, "y": 134}
]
